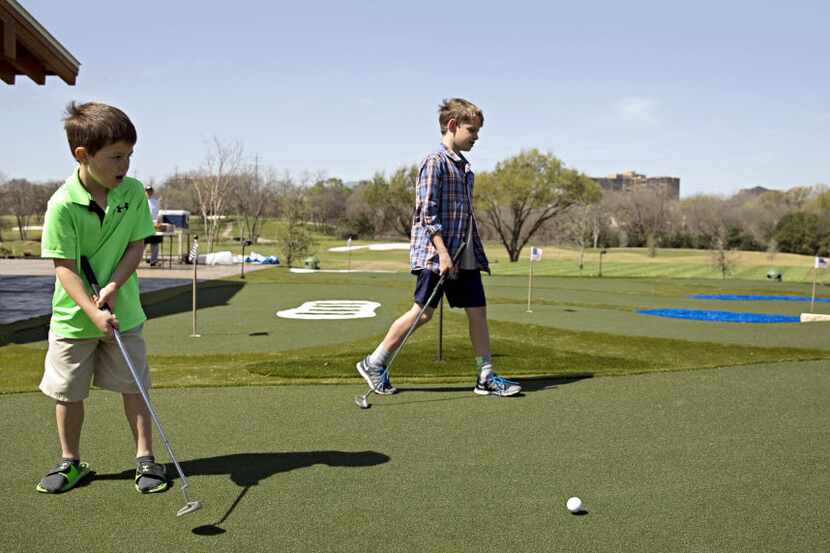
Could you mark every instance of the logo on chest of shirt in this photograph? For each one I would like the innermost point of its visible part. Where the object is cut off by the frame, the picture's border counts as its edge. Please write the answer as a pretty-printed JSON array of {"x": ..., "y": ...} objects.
[{"x": 122, "y": 207}]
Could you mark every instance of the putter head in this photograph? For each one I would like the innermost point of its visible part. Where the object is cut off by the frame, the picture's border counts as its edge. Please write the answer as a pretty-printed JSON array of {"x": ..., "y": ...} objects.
[
  {"x": 361, "y": 401},
  {"x": 189, "y": 507}
]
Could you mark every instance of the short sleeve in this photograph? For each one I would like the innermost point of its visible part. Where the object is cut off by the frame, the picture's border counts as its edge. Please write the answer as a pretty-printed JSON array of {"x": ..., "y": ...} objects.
[{"x": 59, "y": 239}]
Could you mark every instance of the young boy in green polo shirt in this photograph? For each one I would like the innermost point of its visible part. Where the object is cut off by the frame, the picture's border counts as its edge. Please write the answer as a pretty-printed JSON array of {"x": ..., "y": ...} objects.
[{"x": 99, "y": 213}]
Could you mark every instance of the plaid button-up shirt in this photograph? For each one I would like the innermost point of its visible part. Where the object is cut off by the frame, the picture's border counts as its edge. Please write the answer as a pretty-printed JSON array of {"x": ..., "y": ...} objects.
[{"x": 443, "y": 205}]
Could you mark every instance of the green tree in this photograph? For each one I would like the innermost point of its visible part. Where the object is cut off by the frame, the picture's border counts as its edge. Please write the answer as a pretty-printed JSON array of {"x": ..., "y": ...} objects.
[
  {"x": 359, "y": 219},
  {"x": 327, "y": 200},
  {"x": 293, "y": 238},
  {"x": 525, "y": 192},
  {"x": 804, "y": 233},
  {"x": 393, "y": 199}
]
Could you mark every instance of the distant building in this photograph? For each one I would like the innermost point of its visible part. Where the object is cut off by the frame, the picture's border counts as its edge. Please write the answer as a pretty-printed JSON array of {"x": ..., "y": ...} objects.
[
  {"x": 630, "y": 180},
  {"x": 755, "y": 191}
]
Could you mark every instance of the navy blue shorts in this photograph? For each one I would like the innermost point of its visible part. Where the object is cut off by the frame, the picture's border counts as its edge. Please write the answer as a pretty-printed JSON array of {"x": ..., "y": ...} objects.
[{"x": 464, "y": 291}]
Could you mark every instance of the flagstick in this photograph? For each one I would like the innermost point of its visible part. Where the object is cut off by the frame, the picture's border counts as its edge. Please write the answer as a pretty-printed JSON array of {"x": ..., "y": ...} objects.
[
  {"x": 440, "y": 356},
  {"x": 195, "y": 264},
  {"x": 813, "y": 298},
  {"x": 530, "y": 287}
]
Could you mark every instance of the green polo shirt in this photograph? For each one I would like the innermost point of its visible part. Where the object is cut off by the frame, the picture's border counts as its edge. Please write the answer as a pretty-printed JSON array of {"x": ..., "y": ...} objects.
[{"x": 71, "y": 230}]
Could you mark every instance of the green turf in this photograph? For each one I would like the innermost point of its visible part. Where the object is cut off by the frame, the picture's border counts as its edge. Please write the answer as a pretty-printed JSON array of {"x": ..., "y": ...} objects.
[
  {"x": 577, "y": 326},
  {"x": 726, "y": 460},
  {"x": 730, "y": 456}
]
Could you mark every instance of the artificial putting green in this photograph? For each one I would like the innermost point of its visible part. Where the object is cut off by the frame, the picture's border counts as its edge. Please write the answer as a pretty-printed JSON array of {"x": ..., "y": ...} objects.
[
  {"x": 577, "y": 326},
  {"x": 725, "y": 460}
]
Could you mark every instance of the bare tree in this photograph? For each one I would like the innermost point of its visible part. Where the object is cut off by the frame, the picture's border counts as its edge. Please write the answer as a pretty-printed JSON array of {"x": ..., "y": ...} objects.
[
  {"x": 252, "y": 194},
  {"x": 21, "y": 199},
  {"x": 177, "y": 192},
  {"x": 577, "y": 227},
  {"x": 644, "y": 214},
  {"x": 213, "y": 185},
  {"x": 721, "y": 258},
  {"x": 43, "y": 192},
  {"x": 772, "y": 250},
  {"x": 702, "y": 218}
]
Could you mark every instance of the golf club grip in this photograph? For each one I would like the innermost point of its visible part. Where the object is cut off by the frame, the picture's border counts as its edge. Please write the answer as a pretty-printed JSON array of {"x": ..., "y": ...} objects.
[{"x": 90, "y": 277}]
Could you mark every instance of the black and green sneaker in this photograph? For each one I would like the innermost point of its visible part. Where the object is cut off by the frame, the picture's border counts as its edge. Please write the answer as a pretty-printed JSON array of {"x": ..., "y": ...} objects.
[
  {"x": 65, "y": 476},
  {"x": 150, "y": 477}
]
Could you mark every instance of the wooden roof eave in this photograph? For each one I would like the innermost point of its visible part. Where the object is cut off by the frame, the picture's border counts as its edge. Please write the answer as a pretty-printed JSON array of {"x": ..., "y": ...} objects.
[{"x": 28, "y": 48}]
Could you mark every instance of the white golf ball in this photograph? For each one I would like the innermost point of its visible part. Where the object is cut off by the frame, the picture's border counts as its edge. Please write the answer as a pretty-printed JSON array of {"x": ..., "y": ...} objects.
[{"x": 574, "y": 504}]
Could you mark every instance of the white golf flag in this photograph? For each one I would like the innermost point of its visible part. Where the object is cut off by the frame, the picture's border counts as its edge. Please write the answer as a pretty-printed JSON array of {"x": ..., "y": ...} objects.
[
  {"x": 349, "y": 242},
  {"x": 821, "y": 262},
  {"x": 193, "y": 255},
  {"x": 535, "y": 254}
]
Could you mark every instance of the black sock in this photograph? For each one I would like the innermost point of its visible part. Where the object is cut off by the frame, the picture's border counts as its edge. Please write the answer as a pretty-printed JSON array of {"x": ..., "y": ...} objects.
[
  {"x": 75, "y": 462},
  {"x": 145, "y": 459}
]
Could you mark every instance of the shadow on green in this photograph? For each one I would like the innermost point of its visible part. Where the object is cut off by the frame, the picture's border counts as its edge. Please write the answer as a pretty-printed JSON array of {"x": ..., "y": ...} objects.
[
  {"x": 248, "y": 469},
  {"x": 161, "y": 303}
]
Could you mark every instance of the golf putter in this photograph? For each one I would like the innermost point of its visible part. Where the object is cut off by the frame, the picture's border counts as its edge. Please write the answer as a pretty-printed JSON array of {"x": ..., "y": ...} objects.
[
  {"x": 190, "y": 505},
  {"x": 362, "y": 401}
]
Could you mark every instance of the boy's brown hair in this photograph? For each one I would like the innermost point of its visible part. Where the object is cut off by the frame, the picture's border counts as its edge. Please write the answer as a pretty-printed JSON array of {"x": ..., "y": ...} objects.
[
  {"x": 459, "y": 109},
  {"x": 94, "y": 126}
]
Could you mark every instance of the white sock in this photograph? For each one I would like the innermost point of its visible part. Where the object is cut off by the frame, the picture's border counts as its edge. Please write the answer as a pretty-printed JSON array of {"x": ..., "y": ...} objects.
[
  {"x": 484, "y": 372},
  {"x": 380, "y": 357}
]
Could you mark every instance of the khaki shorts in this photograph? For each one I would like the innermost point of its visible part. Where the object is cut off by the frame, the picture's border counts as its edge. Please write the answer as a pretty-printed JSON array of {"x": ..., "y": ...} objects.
[{"x": 71, "y": 365}]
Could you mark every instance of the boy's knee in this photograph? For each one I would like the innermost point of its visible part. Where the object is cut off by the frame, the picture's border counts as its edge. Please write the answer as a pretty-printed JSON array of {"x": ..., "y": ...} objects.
[
  {"x": 477, "y": 312},
  {"x": 69, "y": 404}
]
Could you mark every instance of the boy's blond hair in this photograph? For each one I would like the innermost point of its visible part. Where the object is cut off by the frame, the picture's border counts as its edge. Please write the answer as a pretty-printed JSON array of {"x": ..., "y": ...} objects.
[
  {"x": 94, "y": 126},
  {"x": 459, "y": 109}
]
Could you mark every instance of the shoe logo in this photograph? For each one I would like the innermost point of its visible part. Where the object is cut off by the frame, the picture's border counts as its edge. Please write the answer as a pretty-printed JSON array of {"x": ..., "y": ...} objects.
[{"x": 122, "y": 207}]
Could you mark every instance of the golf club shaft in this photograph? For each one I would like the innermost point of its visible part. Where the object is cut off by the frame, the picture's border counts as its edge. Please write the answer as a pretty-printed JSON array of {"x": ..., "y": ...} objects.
[
  {"x": 410, "y": 331},
  {"x": 439, "y": 285},
  {"x": 414, "y": 324},
  {"x": 93, "y": 282},
  {"x": 150, "y": 407}
]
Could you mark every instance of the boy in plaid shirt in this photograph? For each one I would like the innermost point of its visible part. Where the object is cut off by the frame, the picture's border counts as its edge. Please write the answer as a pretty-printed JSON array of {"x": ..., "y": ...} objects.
[{"x": 443, "y": 220}]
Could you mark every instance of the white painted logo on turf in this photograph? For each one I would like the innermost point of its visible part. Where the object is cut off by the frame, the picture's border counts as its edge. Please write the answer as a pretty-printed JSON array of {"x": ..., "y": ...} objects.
[{"x": 332, "y": 309}]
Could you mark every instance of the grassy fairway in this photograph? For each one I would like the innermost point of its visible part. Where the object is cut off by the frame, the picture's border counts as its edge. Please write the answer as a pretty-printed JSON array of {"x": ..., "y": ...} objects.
[
  {"x": 577, "y": 327},
  {"x": 557, "y": 261},
  {"x": 726, "y": 460}
]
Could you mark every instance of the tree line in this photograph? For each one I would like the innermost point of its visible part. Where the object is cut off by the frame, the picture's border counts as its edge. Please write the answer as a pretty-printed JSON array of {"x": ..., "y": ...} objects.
[{"x": 532, "y": 196}]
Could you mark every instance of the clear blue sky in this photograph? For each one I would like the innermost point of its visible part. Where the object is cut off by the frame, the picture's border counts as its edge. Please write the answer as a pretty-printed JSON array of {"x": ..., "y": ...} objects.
[{"x": 724, "y": 95}]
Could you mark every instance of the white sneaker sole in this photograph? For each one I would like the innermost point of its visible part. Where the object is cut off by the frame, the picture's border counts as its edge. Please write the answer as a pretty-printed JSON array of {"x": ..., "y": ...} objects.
[
  {"x": 507, "y": 393},
  {"x": 368, "y": 380}
]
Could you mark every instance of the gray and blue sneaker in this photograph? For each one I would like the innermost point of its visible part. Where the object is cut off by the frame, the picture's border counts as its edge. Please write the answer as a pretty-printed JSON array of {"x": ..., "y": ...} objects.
[
  {"x": 497, "y": 386},
  {"x": 376, "y": 377}
]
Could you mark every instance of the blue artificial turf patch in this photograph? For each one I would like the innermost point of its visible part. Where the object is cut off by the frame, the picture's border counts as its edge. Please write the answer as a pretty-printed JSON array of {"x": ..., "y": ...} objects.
[
  {"x": 720, "y": 316},
  {"x": 735, "y": 297}
]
